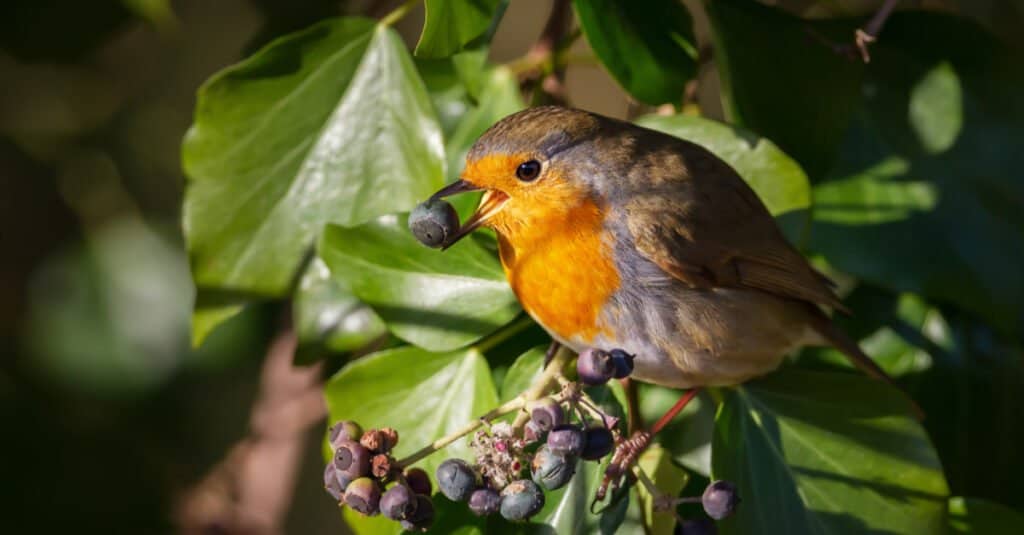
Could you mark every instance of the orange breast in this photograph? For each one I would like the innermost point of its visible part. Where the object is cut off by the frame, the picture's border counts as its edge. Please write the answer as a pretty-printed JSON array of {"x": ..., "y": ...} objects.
[{"x": 562, "y": 271}]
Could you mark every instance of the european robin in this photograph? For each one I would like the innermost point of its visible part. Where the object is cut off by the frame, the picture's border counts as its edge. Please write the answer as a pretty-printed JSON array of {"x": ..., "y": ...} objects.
[{"x": 616, "y": 236}]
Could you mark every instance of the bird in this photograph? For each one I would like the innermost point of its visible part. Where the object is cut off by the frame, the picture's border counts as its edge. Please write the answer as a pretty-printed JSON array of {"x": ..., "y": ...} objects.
[{"x": 615, "y": 236}]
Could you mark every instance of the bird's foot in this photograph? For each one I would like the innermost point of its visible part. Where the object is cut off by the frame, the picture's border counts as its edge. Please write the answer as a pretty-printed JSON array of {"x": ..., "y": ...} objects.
[{"x": 626, "y": 453}]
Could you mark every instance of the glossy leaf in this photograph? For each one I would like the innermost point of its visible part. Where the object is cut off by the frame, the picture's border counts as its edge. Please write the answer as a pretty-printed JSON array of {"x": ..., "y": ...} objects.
[
  {"x": 452, "y": 24},
  {"x": 650, "y": 51},
  {"x": 928, "y": 183},
  {"x": 436, "y": 300},
  {"x": 328, "y": 317},
  {"x": 688, "y": 436},
  {"x": 668, "y": 478},
  {"x": 499, "y": 96},
  {"x": 816, "y": 452},
  {"x": 424, "y": 396},
  {"x": 783, "y": 78},
  {"x": 331, "y": 124},
  {"x": 980, "y": 517},
  {"x": 778, "y": 180},
  {"x": 523, "y": 372}
]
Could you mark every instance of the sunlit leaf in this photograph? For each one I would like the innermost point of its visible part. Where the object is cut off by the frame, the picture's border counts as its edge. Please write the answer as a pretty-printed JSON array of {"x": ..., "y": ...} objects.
[{"x": 451, "y": 24}]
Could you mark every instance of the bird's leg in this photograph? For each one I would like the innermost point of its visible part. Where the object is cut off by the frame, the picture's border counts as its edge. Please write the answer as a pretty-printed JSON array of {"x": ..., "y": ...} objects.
[
  {"x": 628, "y": 450},
  {"x": 636, "y": 420},
  {"x": 550, "y": 353}
]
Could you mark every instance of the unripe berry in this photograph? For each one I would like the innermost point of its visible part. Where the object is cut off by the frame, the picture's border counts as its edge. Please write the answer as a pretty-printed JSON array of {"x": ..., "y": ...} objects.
[
  {"x": 418, "y": 481},
  {"x": 720, "y": 499},
  {"x": 551, "y": 471},
  {"x": 622, "y": 362},
  {"x": 344, "y": 430},
  {"x": 547, "y": 414},
  {"x": 566, "y": 439},
  {"x": 433, "y": 221},
  {"x": 521, "y": 499},
  {"x": 595, "y": 367},
  {"x": 484, "y": 502},
  {"x": 456, "y": 479},
  {"x": 398, "y": 503},
  {"x": 423, "y": 518},
  {"x": 352, "y": 459},
  {"x": 363, "y": 496},
  {"x": 598, "y": 442}
]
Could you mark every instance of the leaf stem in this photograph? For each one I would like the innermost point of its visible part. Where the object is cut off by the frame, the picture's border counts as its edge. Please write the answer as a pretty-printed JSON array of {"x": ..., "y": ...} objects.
[{"x": 398, "y": 13}]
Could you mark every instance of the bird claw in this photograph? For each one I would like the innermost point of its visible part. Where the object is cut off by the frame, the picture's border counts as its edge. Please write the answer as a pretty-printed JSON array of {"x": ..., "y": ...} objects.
[{"x": 626, "y": 453}]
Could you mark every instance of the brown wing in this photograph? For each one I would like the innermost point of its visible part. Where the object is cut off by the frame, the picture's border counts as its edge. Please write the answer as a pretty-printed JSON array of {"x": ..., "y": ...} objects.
[{"x": 701, "y": 223}]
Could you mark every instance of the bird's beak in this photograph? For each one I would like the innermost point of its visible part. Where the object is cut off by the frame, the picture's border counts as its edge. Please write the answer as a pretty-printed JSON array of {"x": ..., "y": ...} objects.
[{"x": 490, "y": 204}]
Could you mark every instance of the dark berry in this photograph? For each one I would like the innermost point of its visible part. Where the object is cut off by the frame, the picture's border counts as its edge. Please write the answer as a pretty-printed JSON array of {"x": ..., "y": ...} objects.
[
  {"x": 423, "y": 518},
  {"x": 598, "y": 442},
  {"x": 352, "y": 459},
  {"x": 433, "y": 221},
  {"x": 363, "y": 496},
  {"x": 456, "y": 479},
  {"x": 551, "y": 471},
  {"x": 566, "y": 439},
  {"x": 398, "y": 503},
  {"x": 547, "y": 414},
  {"x": 623, "y": 363},
  {"x": 379, "y": 440},
  {"x": 484, "y": 502},
  {"x": 720, "y": 499},
  {"x": 418, "y": 481},
  {"x": 380, "y": 465},
  {"x": 700, "y": 526},
  {"x": 595, "y": 367},
  {"x": 332, "y": 483},
  {"x": 521, "y": 499},
  {"x": 344, "y": 430}
]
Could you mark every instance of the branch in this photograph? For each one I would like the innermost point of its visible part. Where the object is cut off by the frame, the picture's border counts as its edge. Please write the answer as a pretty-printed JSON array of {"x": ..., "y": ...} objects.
[
  {"x": 553, "y": 40},
  {"x": 863, "y": 37},
  {"x": 251, "y": 489}
]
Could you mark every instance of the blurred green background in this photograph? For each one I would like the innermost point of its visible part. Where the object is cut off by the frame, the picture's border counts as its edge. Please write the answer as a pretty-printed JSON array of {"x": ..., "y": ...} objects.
[{"x": 109, "y": 416}]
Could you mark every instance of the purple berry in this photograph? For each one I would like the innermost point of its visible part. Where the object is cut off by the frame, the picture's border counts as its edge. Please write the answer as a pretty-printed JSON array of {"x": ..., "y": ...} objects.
[
  {"x": 551, "y": 471},
  {"x": 595, "y": 367},
  {"x": 344, "y": 430},
  {"x": 432, "y": 222},
  {"x": 484, "y": 502},
  {"x": 532, "y": 433},
  {"x": 547, "y": 414},
  {"x": 598, "y": 442},
  {"x": 566, "y": 439},
  {"x": 332, "y": 483},
  {"x": 699, "y": 526},
  {"x": 418, "y": 481},
  {"x": 720, "y": 499},
  {"x": 363, "y": 496},
  {"x": 456, "y": 479},
  {"x": 623, "y": 363},
  {"x": 398, "y": 503},
  {"x": 352, "y": 459},
  {"x": 521, "y": 499}
]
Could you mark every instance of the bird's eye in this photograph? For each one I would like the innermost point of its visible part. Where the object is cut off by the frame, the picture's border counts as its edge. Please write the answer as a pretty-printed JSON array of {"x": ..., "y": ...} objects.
[{"x": 528, "y": 171}]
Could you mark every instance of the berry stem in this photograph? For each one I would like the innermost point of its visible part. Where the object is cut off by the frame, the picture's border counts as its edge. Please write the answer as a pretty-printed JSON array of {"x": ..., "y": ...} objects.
[{"x": 550, "y": 377}]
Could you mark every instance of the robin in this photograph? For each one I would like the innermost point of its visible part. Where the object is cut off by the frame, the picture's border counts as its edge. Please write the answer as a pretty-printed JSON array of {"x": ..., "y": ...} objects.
[{"x": 614, "y": 236}]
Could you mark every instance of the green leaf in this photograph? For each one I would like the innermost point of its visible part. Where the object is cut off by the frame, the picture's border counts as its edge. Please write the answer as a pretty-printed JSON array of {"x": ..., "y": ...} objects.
[
  {"x": 523, "y": 372},
  {"x": 778, "y": 180},
  {"x": 210, "y": 311},
  {"x": 327, "y": 316},
  {"x": 499, "y": 96},
  {"x": 436, "y": 300},
  {"x": 820, "y": 453},
  {"x": 452, "y": 24},
  {"x": 980, "y": 517},
  {"x": 331, "y": 124},
  {"x": 782, "y": 78},
  {"x": 424, "y": 396},
  {"x": 925, "y": 197},
  {"x": 668, "y": 478},
  {"x": 688, "y": 436},
  {"x": 650, "y": 51}
]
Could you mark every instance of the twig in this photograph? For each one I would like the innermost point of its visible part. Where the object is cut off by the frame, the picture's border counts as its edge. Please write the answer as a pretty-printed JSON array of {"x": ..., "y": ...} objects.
[
  {"x": 251, "y": 489},
  {"x": 867, "y": 35},
  {"x": 554, "y": 39}
]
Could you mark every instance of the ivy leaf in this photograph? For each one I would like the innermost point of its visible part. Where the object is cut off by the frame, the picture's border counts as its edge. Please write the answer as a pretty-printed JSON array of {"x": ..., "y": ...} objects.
[
  {"x": 765, "y": 56},
  {"x": 499, "y": 96},
  {"x": 816, "y": 452},
  {"x": 438, "y": 301},
  {"x": 328, "y": 317},
  {"x": 980, "y": 517},
  {"x": 688, "y": 436},
  {"x": 331, "y": 124},
  {"x": 667, "y": 477},
  {"x": 775, "y": 177},
  {"x": 526, "y": 369},
  {"x": 423, "y": 395},
  {"x": 926, "y": 195},
  {"x": 452, "y": 24},
  {"x": 650, "y": 52}
]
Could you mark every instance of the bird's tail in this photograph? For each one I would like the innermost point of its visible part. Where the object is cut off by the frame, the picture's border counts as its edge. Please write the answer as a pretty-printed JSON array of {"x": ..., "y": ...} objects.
[{"x": 824, "y": 326}]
